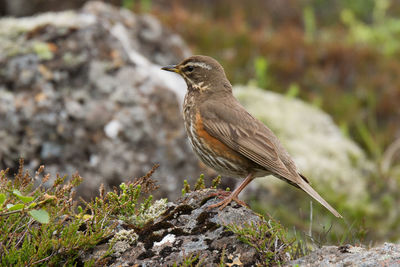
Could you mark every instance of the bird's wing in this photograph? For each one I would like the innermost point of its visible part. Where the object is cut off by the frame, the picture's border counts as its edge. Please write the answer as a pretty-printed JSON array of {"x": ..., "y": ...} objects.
[{"x": 236, "y": 128}]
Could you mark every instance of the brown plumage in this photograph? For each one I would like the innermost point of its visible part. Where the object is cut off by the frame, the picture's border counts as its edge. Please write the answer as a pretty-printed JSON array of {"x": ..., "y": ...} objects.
[{"x": 226, "y": 137}]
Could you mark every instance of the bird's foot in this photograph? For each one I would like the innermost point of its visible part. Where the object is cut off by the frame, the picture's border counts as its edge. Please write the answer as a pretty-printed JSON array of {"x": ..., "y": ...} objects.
[
  {"x": 221, "y": 194},
  {"x": 229, "y": 197}
]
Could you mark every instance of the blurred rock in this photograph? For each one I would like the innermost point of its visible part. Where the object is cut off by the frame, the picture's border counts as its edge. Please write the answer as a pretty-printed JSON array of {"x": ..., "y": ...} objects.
[
  {"x": 83, "y": 91},
  {"x": 334, "y": 164},
  {"x": 386, "y": 254},
  {"x": 27, "y": 8}
]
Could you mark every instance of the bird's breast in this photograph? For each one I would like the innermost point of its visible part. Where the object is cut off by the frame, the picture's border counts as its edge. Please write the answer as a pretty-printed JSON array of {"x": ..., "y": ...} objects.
[{"x": 210, "y": 150}]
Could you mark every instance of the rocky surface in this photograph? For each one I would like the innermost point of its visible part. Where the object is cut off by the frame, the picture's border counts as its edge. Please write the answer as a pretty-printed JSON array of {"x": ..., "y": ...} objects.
[
  {"x": 83, "y": 91},
  {"x": 386, "y": 255},
  {"x": 187, "y": 230}
]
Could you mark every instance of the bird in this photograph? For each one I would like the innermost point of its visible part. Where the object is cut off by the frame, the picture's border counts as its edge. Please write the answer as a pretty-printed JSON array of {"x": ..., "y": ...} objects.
[{"x": 229, "y": 139}]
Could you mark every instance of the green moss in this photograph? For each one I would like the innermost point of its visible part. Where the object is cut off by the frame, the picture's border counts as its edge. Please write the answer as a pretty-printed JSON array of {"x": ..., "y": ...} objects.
[{"x": 42, "y": 50}]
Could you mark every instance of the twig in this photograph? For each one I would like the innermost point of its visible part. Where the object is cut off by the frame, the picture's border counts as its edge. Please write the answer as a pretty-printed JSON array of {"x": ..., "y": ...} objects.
[{"x": 42, "y": 260}]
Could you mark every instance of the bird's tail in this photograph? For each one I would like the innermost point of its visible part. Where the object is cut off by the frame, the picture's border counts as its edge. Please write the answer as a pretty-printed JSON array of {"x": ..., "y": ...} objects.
[{"x": 309, "y": 190}]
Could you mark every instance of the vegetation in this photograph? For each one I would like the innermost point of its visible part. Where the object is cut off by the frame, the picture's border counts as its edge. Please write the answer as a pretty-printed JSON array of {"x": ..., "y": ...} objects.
[
  {"x": 270, "y": 240},
  {"x": 43, "y": 225}
]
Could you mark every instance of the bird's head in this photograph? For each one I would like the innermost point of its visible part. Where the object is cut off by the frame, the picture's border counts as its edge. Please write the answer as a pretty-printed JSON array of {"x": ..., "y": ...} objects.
[{"x": 201, "y": 73}]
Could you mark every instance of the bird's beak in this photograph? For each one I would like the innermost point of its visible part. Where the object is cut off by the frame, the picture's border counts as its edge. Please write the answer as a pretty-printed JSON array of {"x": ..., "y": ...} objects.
[{"x": 173, "y": 68}]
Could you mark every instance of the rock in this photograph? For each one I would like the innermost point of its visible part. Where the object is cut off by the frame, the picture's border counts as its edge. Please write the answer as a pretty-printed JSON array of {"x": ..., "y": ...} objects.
[
  {"x": 335, "y": 165},
  {"x": 386, "y": 254},
  {"x": 187, "y": 229},
  {"x": 83, "y": 91}
]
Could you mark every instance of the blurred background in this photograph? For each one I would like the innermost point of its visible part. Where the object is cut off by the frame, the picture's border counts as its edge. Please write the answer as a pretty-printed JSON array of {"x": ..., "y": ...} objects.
[{"x": 341, "y": 57}]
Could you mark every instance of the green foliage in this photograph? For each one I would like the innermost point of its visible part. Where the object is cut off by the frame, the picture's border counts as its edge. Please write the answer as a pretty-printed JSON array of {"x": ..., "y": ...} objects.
[
  {"x": 383, "y": 33},
  {"x": 293, "y": 91},
  {"x": 127, "y": 204},
  {"x": 261, "y": 71},
  {"x": 43, "y": 50},
  {"x": 17, "y": 202},
  {"x": 128, "y": 4},
  {"x": 44, "y": 226},
  {"x": 142, "y": 5},
  {"x": 199, "y": 183},
  {"x": 39, "y": 225},
  {"x": 186, "y": 187},
  {"x": 309, "y": 23},
  {"x": 216, "y": 182},
  {"x": 191, "y": 260},
  {"x": 270, "y": 240}
]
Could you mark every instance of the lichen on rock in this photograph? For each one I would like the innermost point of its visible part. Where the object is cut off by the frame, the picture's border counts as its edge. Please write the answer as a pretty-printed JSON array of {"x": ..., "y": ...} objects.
[
  {"x": 83, "y": 91},
  {"x": 189, "y": 231},
  {"x": 122, "y": 241}
]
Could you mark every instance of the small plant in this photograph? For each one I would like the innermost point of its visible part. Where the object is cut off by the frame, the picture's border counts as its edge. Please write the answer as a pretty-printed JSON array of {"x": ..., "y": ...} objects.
[
  {"x": 199, "y": 183},
  {"x": 216, "y": 182},
  {"x": 186, "y": 187},
  {"x": 13, "y": 201},
  {"x": 191, "y": 260},
  {"x": 269, "y": 238}
]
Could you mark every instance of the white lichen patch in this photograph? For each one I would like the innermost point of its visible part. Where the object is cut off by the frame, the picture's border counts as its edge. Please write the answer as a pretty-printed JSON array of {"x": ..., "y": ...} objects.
[
  {"x": 61, "y": 19},
  {"x": 128, "y": 236},
  {"x": 12, "y": 31},
  {"x": 122, "y": 241},
  {"x": 168, "y": 239},
  {"x": 154, "y": 211}
]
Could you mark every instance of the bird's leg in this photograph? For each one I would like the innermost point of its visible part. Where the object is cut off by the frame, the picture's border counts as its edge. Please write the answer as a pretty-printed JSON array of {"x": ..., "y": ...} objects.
[
  {"x": 234, "y": 195},
  {"x": 220, "y": 194}
]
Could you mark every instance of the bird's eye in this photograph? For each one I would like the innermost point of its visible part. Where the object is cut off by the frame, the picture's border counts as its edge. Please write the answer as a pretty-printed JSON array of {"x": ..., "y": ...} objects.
[{"x": 189, "y": 68}]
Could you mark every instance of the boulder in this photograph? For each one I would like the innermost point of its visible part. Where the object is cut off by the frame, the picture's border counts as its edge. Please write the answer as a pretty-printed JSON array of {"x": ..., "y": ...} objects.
[
  {"x": 83, "y": 91},
  {"x": 386, "y": 254},
  {"x": 189, "y": 232}
]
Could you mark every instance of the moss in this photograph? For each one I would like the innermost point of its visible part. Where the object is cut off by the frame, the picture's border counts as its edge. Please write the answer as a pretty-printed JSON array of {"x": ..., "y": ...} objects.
[{"x": 42, "y": 50}]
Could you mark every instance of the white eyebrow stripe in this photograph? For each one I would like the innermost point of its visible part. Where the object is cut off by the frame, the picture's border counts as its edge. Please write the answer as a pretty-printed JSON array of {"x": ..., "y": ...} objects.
[{"x": 198, "y": 64}]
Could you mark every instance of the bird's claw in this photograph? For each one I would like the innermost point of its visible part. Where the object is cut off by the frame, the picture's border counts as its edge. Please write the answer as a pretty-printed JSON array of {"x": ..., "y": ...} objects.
[{"x": 229, "y": 197}]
